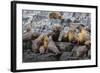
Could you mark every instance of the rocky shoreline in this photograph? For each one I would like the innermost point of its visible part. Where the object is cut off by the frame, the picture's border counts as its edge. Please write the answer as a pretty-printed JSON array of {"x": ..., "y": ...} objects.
[{"x": 56, "y": 36}]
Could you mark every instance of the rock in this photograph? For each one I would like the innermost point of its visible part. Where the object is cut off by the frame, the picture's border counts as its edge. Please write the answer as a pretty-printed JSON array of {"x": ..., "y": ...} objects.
[
  {"x": 36, "y": 57},
  {"x": 69, "y": 47},
  {"x": 46, "y": 57},
  {"x": 27, "y": 44},
  {"x": 89, "y": 54},
  {"x": 80, "y": 51},
  {"x": 35, "y": 46},
  {"x": 32, "y": 57},
  {"x": 63, "y": 45},
  {"x": 73, "y": 58},
  {"x": 65, "y": 56},
  {"x": 52, "y": 46}
]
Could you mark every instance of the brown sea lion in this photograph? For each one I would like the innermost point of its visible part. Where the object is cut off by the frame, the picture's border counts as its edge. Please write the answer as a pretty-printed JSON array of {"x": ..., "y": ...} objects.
[{"x": 55, "y": 15}]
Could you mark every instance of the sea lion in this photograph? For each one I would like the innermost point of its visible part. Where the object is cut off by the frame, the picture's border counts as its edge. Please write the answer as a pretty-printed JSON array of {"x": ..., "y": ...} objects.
[
  {"x": 56, "y": 32},
  {"x": 28, "y": 34},
  {"x": 71, "y": 35},
  {"x": 82, "y": 36},
  {"x": 55, "y": 15},
  {"x": 41, "y": 50},
  {"x": 37, "y": 43},
  {"x": 52, "y": 46},
  {"x": 44, "y": 48}
]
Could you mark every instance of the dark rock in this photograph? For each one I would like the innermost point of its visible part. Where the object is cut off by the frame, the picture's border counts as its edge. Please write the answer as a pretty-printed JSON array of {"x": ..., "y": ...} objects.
[
  {"x": 73, "y": 58},
  {"x": 35, "y": 46},
  {"x": 27, "y": 44},
  {"x": 46, "y": 57},
  {"x": 89, "y": 54},
  {"x": 69, "y": 48},
  {"x": 80, "y": 51},
  {"x": 30, "y": 57},
  {"x": 65, "y": 56},
  {"x": 36, "y": 57},
  {"x": 64, "y": 46}
]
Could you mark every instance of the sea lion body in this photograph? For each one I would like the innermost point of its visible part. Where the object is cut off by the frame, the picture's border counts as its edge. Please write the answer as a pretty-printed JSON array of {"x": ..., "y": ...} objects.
[{"x": 82, "y": 36}]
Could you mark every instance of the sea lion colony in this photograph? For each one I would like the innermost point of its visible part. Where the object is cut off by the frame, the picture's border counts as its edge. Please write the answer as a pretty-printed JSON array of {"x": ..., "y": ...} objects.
[{"x": 43, "y": 43}]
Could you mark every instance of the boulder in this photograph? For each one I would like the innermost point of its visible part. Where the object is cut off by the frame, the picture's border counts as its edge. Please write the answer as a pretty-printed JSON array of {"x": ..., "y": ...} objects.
[
  {"x": 35, "y": 46},
  {"x": 65, "y": 56},
  {"x": 80, "y": 51},
  {"x": 63, "y": 46}
]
